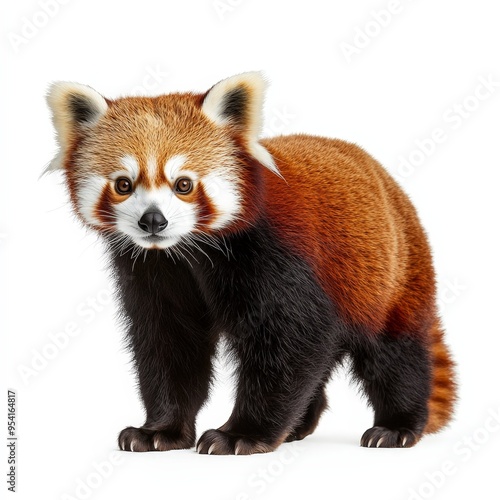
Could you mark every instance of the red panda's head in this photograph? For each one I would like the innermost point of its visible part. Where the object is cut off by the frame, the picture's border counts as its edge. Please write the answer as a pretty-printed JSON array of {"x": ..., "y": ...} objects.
[{"x": 155, "y": 171}]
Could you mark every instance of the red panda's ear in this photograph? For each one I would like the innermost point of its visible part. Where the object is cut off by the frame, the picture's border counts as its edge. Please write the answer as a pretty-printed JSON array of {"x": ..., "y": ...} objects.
[
  {"x": 237, "y": 102},
  {"x": 75, "y": 108}
]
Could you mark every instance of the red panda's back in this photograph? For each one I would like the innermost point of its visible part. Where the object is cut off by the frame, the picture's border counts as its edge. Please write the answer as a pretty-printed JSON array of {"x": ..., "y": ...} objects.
[{"x": 342, "y": 212}]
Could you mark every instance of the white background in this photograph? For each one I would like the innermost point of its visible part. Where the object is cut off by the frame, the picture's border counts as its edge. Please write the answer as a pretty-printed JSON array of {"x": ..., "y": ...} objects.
[{"x": 411, "y": 77}]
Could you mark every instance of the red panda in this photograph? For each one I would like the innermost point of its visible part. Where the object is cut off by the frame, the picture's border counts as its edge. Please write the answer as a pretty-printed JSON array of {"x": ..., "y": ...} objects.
[{"x": 301, "y": 251}]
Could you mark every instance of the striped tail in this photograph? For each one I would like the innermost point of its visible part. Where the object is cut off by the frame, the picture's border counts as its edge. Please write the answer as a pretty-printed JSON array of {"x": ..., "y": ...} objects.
[{"x": 443, "y": 391}]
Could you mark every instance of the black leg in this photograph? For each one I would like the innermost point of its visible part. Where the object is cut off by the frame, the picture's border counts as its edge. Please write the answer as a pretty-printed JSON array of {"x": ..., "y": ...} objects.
[
  {"x": 284, "y": 334},
  {"x": 266, "y": 411},
  {"x": 169, "y": 336},
  {"x": 395, "y": 375},
  {"x": 174, "y": 375},
  {"x": 276, "y": 379},
  {"x": 310, "y": 419}
]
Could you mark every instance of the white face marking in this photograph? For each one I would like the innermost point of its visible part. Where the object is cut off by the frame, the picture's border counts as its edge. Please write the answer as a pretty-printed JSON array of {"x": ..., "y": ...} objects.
[
  {"x": 224, "y": 195},
  {"x": 181, "y": 216},
  {"x": 89, "y": 192},
  {"x": 173, "y": 166},
  {"x": 121, "y": 173},
  {"x": 220, "y": 186},
  {"x": 131, "y": 166},
  {"x": 151, "y": 168}
]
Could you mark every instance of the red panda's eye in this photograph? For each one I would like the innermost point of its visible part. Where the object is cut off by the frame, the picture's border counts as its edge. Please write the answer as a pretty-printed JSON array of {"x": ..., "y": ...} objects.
[
  {"x": 123, "y": 185},
  {"x": 183, "y": 185}
]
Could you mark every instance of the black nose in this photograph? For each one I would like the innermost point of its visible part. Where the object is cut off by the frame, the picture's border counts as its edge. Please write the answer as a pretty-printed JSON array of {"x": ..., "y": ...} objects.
[{"x": 153, "y": 222}]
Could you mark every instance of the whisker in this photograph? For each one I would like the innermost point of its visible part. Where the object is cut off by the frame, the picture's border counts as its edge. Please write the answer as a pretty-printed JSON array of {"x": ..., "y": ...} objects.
[{"x": 193, "y": 242}]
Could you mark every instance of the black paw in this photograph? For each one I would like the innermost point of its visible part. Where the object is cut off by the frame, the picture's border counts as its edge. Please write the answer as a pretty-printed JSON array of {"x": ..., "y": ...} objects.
[
  {"x": 217, "y": 442},
  {"x": 140, "y": 439},
  {"x": 381, "y": 437}
]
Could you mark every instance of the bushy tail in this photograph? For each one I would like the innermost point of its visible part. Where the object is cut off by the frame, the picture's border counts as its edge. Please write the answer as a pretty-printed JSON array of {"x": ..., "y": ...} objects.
[{"x": 443, "y": 391}]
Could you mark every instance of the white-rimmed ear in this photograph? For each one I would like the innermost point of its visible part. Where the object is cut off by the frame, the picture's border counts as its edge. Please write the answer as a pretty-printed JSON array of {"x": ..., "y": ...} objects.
[
  {"x": 75, "y": 107},
  {"x": 237, "y": 101}
]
